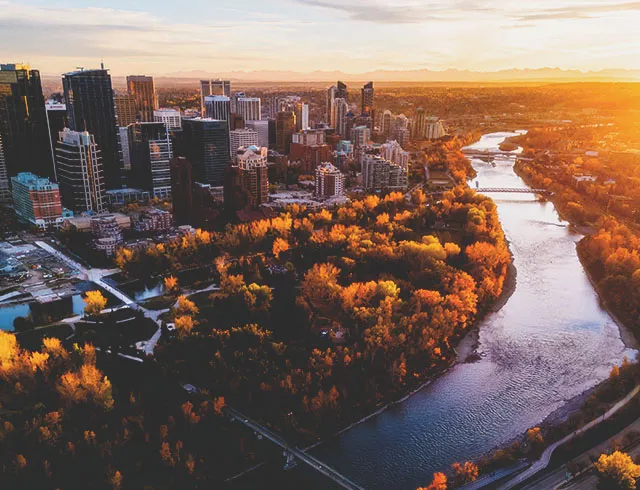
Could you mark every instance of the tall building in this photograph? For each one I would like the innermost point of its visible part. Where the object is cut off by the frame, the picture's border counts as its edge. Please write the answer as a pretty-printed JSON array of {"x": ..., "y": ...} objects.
[
  {"x": 144, "y": 91},
  {"x": 37, "y": 200},
  {"x": 387, "y": 123},
  {"x": 80, "y": 172},
  {"x": 331, "y": 100},
  {"x": 181, "y": 184},
  {"x": 340, "y": 109},
  {"x": 170, "y": 117},
  {"x": 242, "y": 137},
  {"x": 252, "y": 170},
  {"x": 56, "y": 122},
  {"x": 206, "y": 146},
  {"x": 285, "y": 127},
  {"x": 249, "y": 108},
  {"x": 360, "y": 136},
  {"x": 367, "y": 99},
  {"x": 309, "y": 137},
  {"x": 150, "y": 150},
  {"x": 123, "y": 140},
  {"x": 304, "y": 117},
  {"x": 218, "y": 107},
  {"x": 126, "y": 111},
  {"x": 393, "y": 151},
  {"x": 90, "y": 107},
  {"x": 342, "y": 92},
  {"x": 434, "y": 129},
  {"x": 418, "y": 129},
  {"x": 213, "y": 87},
  {"x": 23, "y": 121},
  {"x": 329, "y": 181},
  {"x": 379, "y": 174},
  {"x": 262, "y": 128},
  {"x": 5, "y": 193}
]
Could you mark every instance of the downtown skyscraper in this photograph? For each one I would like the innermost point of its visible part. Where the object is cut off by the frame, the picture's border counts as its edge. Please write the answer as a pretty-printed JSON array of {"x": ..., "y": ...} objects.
[
  {"x": 367, "y": 99},
  {"x": 23, "y": 122},
  {"x": 90, "y": 107},
  {"x": 143, "y": 89},
  {"x": 206, "y": 146}
]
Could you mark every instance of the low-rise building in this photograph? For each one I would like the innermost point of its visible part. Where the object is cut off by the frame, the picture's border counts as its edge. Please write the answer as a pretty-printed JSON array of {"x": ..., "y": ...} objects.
[
  {"x": 155, "y": 220},
  {"x": 37, "y": 201},
  {"x": 107, "y": 234}
]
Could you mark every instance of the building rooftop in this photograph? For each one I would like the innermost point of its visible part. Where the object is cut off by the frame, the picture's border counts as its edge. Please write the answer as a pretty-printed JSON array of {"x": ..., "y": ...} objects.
[{"x": 34, "y": 182}]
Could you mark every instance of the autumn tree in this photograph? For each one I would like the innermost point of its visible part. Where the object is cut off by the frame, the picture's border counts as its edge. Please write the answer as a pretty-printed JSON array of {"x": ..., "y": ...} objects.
[
  {"x": 439, "y": 482},
  {"x": 95, "y": 302},
  {"x": 465, "y": 472},
  {"x": 617, "y": 472},
  {"x": 171, "y": 284}
]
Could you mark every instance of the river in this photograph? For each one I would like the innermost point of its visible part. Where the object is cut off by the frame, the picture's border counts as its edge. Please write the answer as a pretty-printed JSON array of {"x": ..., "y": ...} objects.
[{"x": 550, "y": 342}]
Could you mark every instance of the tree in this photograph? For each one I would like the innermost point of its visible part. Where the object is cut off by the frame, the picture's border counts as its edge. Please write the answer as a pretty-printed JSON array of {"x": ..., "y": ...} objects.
[
  {"x": 439, "y": 482},
  {"x": 617, "y": 472},
  {"x": 186, "y": 306},
  {"x": 171, "y": 284},
  {"x": 95, "y": 302},
  {"x": 466, "y": 472},
  {"x": 534, "y": 435},
  {"x": 184, "y": 325}
]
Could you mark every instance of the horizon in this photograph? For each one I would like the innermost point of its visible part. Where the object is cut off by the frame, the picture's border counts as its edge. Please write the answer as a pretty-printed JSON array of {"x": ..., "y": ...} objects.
[{"x": 316, "y": 36}]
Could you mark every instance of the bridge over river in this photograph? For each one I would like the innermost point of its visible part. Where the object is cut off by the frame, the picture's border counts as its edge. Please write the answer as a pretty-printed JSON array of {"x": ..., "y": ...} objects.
[
  {"x": 512, "y": 190},
  {"x": 292, "y": 453}
]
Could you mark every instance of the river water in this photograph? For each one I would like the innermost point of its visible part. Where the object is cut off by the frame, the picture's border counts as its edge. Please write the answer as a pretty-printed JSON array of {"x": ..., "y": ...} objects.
[{"x": 549, "y": 343}]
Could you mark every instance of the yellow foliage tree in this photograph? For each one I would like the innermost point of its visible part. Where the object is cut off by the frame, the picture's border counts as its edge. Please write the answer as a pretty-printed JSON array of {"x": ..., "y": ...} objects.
[
  {"x": 280, "y": 245},
  {"x": 171, "y": 283},
  {"x": 184, "y": 325},
  {"x": 617, "y": 471},
  {"x": 439, "y": 482},
  {"x": 95, "y": 302}
]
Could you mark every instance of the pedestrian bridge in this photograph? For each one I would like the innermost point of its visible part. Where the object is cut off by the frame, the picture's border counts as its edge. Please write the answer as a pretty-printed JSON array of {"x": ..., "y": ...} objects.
[
  {"x": 512, "y": 190},
  {"x": 291, "y": 453}
]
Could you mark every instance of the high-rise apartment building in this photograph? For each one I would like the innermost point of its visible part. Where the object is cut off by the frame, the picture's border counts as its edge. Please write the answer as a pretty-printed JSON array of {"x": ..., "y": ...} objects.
[
  {"x": 329, "y": 181},
  {"x": 434, "y": 129},
  {"x": 285, "y": 127},
  {"x": 418, "y": 128},
  {"x": 126, "y": 111},
  {"x": 393, "y": 151},
  {"x": 23, "y": 121},
  {"x": 80, "y": 172},
  {"x": 304, "y": 113},
  {"x": 144, "y": 91},
  {"x": 331, "y": 100},
  {"x": 360, "y": 136},
  {"x": 37, "y": 200},
  {"x": 367, "y": 99},
  {"x": 342, "y": 92},
  {"x": 213, "y": 87},
  {"x": 206, "y": 146},
  {"x": 252, "y": 174},
  {"x": 242, "y": 137},
  {"x": 379, "y": 174},
  {"x": 170, "y": 117},
  {"x": 249, "y": 108},
  {"x": 90, "y": 107},
  {"x": 5, "y": 193},
  {"x": 309, "y": 137},
  {"x": 150, "y": 150},
  {"x": 262, "y": 128},
  {"x": 340, "y": 109}
]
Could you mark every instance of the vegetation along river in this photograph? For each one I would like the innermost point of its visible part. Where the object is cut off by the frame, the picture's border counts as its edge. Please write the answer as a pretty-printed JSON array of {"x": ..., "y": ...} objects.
[{"x": 550, "y": 342}]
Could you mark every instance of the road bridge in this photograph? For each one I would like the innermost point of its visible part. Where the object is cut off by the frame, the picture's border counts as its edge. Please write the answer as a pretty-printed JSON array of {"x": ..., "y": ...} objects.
[{"x": 291, "y": 452}]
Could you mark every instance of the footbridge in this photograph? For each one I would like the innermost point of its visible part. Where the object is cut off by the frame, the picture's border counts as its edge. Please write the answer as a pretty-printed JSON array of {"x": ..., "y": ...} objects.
[
  {"x": 292, "y": 453},
  {"x": 512, "y": 190}
]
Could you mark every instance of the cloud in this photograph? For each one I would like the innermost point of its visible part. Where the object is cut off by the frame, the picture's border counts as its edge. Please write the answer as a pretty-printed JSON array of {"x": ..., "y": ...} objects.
[
  {"x": 399, "y": 13},
  {"x": 585, "y": 11},
  {"x": 408, "y": 12}
]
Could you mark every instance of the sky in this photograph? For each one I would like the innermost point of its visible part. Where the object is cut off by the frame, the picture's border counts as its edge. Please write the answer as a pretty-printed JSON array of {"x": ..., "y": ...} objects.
[{"x": 161, "y": 37}]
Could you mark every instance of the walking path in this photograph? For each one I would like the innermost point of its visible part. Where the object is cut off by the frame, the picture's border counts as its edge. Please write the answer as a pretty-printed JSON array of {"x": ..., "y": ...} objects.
[{"x": 544, "y": 460}]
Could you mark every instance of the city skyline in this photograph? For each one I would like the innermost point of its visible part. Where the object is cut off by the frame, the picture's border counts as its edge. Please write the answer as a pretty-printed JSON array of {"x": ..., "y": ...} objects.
[{"x": 160, "y": 39}]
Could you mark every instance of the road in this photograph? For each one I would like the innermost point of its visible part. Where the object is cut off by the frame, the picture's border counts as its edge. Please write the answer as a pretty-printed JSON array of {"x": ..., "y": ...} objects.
[
  {"x": 559, "y": 476},
  {"x": 543, "y": 462}
]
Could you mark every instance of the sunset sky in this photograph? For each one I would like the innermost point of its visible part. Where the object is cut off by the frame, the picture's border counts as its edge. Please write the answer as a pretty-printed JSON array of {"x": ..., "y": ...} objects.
[{"x": 163, "y": 37}]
